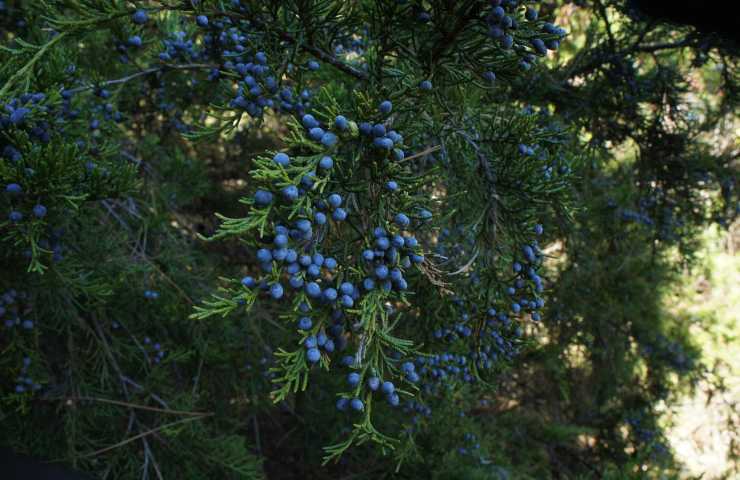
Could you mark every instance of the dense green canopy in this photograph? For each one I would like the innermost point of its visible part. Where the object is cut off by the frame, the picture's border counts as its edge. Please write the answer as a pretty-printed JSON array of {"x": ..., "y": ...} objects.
[{"x": 360, "y": 239}]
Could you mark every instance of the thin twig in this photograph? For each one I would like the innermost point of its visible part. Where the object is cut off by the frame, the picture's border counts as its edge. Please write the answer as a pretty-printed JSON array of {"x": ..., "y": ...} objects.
[
  {"x": 422, "y": 153},
  {"x": 148, "y": 71},
  {"x": 139, "y": 387},
  {"x": 140, "y": 407},
  {"x": 143, "y": 434},
  {"x": 326, "y": 57},
  {"x": 664, "y": 46},
  {"x": 117, "y": 368},
  {"x": 169, "y": 280}
]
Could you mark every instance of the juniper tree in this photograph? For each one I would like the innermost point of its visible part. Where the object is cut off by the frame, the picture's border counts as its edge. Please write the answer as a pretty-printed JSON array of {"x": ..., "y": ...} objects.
[
  {"x": 394, "y": 171},
  {"x": 662, "y": 168}
]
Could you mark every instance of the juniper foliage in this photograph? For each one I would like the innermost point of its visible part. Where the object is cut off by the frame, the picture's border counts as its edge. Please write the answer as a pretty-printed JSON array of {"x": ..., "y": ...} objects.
[{"x": 246, "y": 238}]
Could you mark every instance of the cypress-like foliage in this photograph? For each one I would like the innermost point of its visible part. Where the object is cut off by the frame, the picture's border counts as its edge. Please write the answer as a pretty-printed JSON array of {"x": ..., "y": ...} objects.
[{"x": 249, "y": 239}]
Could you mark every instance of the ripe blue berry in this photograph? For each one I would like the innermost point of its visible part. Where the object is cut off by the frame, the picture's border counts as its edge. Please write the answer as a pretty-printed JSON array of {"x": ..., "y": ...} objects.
[
  {"x": 365, "y": 128},
  {"x": 135, "y": 41},
  {"x": 388, "y": 388},
  {"x": 313, "y": 290},
  {"x": 313, "y": 65},
  {"x": 313, "y": 271},
  {"x": 342, "y": 404},
  {"x": 281, "y": 159},
  {"x": 202, "y": 21},
  {"x": 357, "y": 404},
  {"x": 19, "y": 115},
  {"x": 313, "y": 355},
  {"x": 339, "y": 215},
  {"x": 276, "y": 291},
  {"x": 407, "y": 367},
  {"x": 528, "y": 253},
  {"x": 281, "y": 240},
  {"x": 382, "y": 243},
  {"x": 290, "y": 193},
  {"x": 373, "y": 383},
  {"x": 326, "y": 163},
  {"x": 39, "y": 211},
  {"x": 385, "y": 107},
  {"x": 330, "y": 294},
  {"x": 151, "y": 295},
  {"x": 309, "y": 121},
  {"x": 328, "y": 139},
  {"x": 368, "y": 284},
  {"x": 402, "y": 220},
  {"x": 383, "y": 143},
  {"x": 391, "y": 185},
  {"x": 140, "y": 17},
  {"x": 381, "y": 272},
  {"x": 335, "y": 200},
  {"x": 15, "y": 216},
  {"x": 14, "y": 189},
  {"x": 248, "y": 282},
  {"x": 346, "y": 288},
  {"x": 353, "y": 379},
  {"x": 425, "y": 85},
  {"x": 496, "y": 32},
  {"x": 264, "y": 255},
  {"x": 296, "y": 282},
  {"x": 303, "y": 225},
  {"x": 539, "y": 45},
  {"x": 316, "y": 133},
  {"x": 341, "y": 123},
  {"x": 262, "y": 198}
]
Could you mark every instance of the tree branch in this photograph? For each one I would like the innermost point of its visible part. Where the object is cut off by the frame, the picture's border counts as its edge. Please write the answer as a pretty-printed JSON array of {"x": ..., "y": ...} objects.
[
  {"x": 468, "y": 12},
  {"x": 148, "y": 71},
  {"x": 326, "y": 57},
  {"x": 664, "y": 46}
]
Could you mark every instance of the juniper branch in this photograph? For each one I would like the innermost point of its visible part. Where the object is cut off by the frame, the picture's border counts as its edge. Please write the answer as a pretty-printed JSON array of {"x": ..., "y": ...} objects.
[{"x": 148, "y": 71}]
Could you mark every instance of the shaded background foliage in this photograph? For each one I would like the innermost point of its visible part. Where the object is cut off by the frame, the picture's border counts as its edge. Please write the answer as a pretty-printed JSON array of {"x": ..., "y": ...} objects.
[{"x": 643, "y": 110}]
